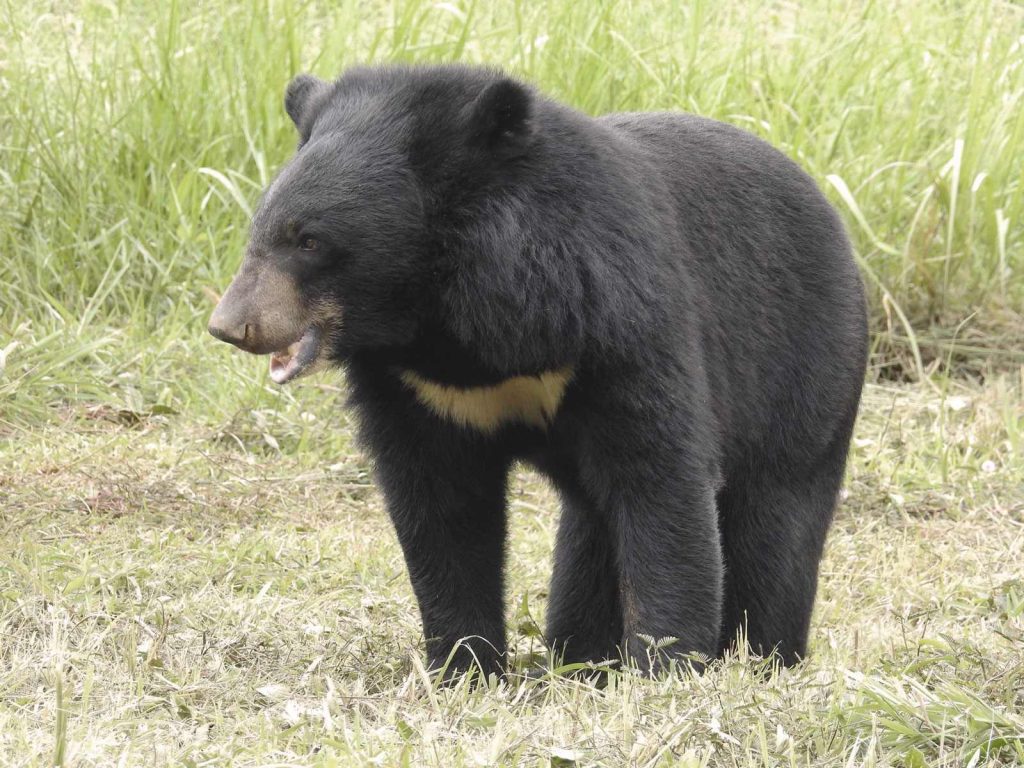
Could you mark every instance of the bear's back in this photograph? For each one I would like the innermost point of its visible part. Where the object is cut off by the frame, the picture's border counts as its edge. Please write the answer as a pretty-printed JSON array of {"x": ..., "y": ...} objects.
[{"x": 781, "y": 298}]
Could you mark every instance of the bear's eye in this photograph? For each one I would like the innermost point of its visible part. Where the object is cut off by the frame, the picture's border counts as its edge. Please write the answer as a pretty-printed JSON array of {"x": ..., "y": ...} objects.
[{"x": 309, "y": 244}]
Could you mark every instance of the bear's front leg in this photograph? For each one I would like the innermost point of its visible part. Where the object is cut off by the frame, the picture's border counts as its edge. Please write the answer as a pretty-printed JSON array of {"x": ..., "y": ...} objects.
[
  {"x": 447, "y": 503},
  {"x": 652, "y": 475},
  {"x": 670, "y": 570},
  {"x": 584, "y": 621}
]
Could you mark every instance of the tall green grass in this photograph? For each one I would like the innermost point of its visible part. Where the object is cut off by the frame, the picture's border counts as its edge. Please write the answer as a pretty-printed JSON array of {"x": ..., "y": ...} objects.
[{"x": 133, "y": 138}]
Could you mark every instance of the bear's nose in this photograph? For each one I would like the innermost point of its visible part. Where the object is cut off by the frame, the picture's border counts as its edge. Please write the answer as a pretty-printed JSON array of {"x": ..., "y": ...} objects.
[
  {"x": 238, "y": 334},
  {"x": 229, "y": 324}
]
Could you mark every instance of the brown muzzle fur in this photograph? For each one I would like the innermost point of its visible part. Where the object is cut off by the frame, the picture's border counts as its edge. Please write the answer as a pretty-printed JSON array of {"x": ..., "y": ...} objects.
[{"x": 261, "y": 311}]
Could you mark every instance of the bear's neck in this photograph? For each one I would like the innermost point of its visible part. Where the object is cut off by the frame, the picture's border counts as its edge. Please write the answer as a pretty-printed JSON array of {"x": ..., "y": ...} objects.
[{"x": 437, "y": 357}]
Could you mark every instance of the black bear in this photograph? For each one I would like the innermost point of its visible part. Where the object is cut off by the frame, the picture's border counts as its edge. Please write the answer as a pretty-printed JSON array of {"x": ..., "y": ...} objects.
[{"x": 660, "y": 312}]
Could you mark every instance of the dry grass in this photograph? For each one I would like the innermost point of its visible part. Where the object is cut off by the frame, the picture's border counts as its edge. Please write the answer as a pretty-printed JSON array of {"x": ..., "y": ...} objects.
[{"x": 177, "y": 595}]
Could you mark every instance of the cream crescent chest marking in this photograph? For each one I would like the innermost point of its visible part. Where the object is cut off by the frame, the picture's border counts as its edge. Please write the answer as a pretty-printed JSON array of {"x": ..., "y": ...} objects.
[{"x": 530, "y": 400}]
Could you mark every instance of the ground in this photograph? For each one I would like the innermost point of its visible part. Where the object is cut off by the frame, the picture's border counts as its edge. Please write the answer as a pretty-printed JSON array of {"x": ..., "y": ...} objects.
[{"x": 175, "y": 594}]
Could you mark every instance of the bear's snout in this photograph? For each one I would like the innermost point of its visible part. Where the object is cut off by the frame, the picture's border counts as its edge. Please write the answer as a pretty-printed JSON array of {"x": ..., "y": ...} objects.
[
  {"x": 229, "y": 322},
  {"x": 261, "y": 311}
]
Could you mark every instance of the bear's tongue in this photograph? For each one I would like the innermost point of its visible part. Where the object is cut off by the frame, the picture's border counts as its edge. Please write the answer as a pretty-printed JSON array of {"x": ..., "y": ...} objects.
[{"x": 288, "y": 363}]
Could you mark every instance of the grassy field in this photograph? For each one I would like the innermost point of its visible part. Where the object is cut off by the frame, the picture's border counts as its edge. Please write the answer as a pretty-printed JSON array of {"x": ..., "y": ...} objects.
[
  {"x": 194, "y": 566},
  {"x": 172, "y": 594}
]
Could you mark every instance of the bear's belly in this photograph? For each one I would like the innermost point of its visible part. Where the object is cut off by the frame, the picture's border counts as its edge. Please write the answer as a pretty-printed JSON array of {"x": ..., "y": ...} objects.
[{"x": 529, "y": 400}]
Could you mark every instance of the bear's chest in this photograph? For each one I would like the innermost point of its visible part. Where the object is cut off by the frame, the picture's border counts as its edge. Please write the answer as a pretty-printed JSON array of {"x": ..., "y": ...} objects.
[{"x": 532, "y": 401}]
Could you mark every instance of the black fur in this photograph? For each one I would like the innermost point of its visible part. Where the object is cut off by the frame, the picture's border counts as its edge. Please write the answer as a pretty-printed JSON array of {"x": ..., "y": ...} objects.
[{"x": 694, "y": 279}]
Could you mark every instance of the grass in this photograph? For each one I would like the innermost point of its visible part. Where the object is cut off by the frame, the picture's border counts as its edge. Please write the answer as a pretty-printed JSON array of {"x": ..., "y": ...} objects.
[{"x": 194, "y": 566}]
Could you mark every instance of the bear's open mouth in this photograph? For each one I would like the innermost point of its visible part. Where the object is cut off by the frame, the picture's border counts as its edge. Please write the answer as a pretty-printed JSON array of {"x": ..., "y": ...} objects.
[{"x": 297, "y": 357}]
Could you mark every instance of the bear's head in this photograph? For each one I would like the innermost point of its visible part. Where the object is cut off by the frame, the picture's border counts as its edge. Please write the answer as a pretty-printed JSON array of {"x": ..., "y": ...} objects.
[{"x": 349, "y": 244}]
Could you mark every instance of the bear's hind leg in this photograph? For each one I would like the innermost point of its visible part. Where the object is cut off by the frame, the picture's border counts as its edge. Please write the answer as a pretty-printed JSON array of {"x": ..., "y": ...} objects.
[
  {"x": 584, "y": 621},
  {"x": 773, "y": 534}
]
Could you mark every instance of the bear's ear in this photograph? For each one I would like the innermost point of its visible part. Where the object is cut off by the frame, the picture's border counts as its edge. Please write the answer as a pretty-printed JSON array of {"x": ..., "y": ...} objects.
[
  {"x": 500, "y": 117},
  {"x": 301, "y": 92}
]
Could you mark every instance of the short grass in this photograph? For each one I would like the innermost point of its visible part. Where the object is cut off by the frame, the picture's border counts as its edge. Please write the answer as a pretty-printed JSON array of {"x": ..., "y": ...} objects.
[
  {"x": 176, "y": 594},
  {"x": 194, "y": 566}
]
